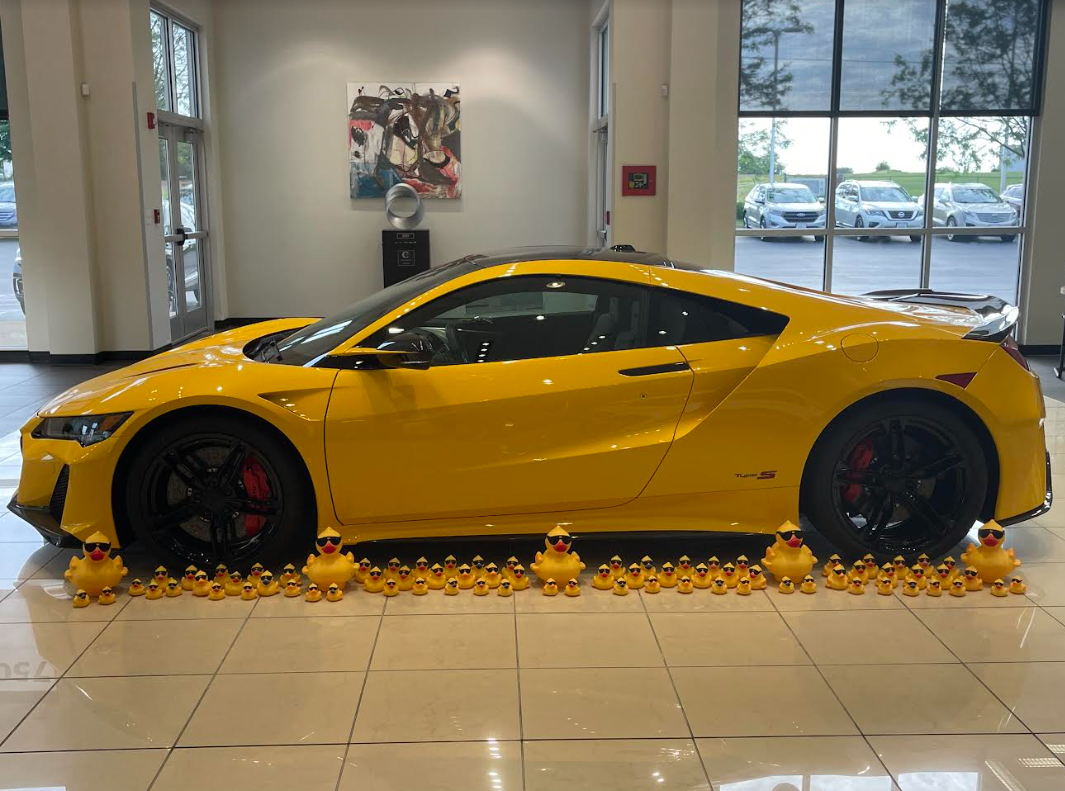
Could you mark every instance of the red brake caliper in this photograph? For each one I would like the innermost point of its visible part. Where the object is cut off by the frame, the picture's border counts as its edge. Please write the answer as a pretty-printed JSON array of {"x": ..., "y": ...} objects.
[
  {"x": 257, "y": 487},
  {"x": 859, "y": 461}
]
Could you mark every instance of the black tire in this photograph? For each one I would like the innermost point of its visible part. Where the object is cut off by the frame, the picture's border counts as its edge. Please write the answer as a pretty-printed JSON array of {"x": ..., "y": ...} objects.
[
  {"x": 872, "y": 517},
  {"x": 1007, "y": 239},
  {"x": 762, "y": 225},
  {"x": 201, "y": 447},
  {"x": 914, "y": 238},
  {"x": 954, "y": 237},
  {"x": 860, "y": 223},
  {"x": 819, "y": 238}
]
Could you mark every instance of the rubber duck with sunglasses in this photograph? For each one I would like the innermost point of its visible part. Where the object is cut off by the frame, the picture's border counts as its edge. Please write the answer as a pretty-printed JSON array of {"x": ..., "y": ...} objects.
[{"x": 330, "y": 566}]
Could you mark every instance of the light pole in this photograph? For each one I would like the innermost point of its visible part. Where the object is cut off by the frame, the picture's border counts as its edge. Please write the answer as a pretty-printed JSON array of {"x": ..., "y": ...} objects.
[{"x": 776, "y": 33}]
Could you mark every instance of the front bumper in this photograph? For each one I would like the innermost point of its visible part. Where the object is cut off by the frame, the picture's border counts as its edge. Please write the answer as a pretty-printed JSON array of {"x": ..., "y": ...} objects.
[
  {"x": 890, "y": 222},
  {"x": 780, "y": 222},
  {"x": 43, "y": 521},
  {"x": 1039, "y": 510}
]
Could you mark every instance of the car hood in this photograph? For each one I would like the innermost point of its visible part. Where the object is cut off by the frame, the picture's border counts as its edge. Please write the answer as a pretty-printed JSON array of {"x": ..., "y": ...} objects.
[
  {"x": 816, "y": 207},
  {"x": 991, "y": 208},
  {"x": 892, "y": 205}
]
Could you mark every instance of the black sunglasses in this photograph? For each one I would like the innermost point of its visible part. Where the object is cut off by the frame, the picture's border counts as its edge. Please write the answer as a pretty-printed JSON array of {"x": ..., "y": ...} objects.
[
  {"x": 92, "y": 546},
  {"x": 789, "y": 534},
  {"x": 983, "y": 532},
  {"x": 334, "y": 540}
]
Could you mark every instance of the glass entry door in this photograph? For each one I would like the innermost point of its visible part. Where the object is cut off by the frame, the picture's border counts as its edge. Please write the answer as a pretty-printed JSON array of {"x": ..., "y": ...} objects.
[{"x": 184, "y": 230}]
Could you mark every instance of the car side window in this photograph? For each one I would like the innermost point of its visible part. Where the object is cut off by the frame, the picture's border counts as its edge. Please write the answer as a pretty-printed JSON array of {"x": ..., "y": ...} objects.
[
  {"x": 677, "y": 318},
  {"x": 521, "y": 318}
]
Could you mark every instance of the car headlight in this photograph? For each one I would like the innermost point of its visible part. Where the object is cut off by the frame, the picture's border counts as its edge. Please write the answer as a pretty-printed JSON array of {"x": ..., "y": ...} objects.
[
  {"x": 873, "y": 212},
  {"x": 84, "y": 429}
]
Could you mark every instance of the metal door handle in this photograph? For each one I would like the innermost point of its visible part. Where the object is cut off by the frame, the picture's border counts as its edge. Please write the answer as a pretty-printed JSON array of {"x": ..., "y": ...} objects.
[{"x": 651, "y": 370}]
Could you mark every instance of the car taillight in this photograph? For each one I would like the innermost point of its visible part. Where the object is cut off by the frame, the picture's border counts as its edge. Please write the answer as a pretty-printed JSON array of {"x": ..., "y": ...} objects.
[{"x": 1013, "y": 350}]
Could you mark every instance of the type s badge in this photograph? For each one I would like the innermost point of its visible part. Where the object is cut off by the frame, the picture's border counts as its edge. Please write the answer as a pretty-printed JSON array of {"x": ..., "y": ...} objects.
[{"x": 764, "y": 475}]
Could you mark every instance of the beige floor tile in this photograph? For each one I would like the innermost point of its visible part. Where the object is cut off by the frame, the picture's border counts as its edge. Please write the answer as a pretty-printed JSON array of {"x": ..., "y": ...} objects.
[
  {"x": 17, "y": 698},
  {"x": 432, "y": 642},
  {"x": 1033, "y": 691},
  {"x": 620, "y": 765},
  {"x": 600, "y": 703},
  {"x": 105, "y": 770},
  {"x": 444, "y": 766},
  {"x": 22, "y": 560},
  {"x": 109, "y": 714},
  {"x": 1046, "y": 583},
  {"x": 157, "y": 648},
  {"x": 590, "y": 600},
  {"x": 1055, "y": 742},
  {"x": 866, "y": 638},
  {"x": 1014, "y": 635},
  {"x": 826, "y": 599},
  {"x": 44, "y": 602},
  {"x": 826, "y": 763},
  {"x": 593, "y": 640},
  {"x": 43, "y": 650},
  {"x": 970, "y": 601},
  {"x": 261, "y": 768},
  {"x": 704, "y": 601},
  {"x": 986, "y": 763},
  {"x": 914, "y": 699},
  {"x": 186, "y": 607},
  {"x": 7, "y": 586},
  {"x": 439, "y": 706},
  {"x": 293, "y": 645},
  {"x": 436, "y": 603},
  {"x": 731, "y": 638},
  {"x": 275, "y": 708},
  {"x": 355, "y": 602},
  {"x": 760, "y": 701}
]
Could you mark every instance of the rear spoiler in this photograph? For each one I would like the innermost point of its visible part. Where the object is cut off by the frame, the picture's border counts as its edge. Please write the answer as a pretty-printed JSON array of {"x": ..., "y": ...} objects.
[{"x": 997, "y": 316}]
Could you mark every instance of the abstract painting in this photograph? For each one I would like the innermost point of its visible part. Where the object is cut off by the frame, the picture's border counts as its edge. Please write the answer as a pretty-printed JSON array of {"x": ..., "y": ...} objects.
[{"x": 404, "y": 132}]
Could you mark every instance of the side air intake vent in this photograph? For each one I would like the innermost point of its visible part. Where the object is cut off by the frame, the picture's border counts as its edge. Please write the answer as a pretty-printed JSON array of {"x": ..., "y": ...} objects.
[{"x": 59, "y": 495}]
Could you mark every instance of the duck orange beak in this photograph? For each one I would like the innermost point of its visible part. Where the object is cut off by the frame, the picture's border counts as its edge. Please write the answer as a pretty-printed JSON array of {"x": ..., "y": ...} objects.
[
  {"x": 795, "y": 542},
  {"x": 990, "y": 541},
  {"x": 97, "y": 554},
  {"x": 560, "y": 546}
]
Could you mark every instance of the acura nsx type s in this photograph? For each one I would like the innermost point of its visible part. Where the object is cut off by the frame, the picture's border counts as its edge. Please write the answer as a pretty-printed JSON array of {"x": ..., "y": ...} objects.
[{"x": 500, "y": 394}]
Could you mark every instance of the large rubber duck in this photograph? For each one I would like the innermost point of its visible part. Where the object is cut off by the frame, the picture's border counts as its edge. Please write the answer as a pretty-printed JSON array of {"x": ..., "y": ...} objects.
[
  {"x": 330, "y": 565},
  {"x": 788, "y": 556},
  {"x": 990, "y": 559},
  {"x": 557, "y": 561},
  {"x": 96, "y": 569},
  {"x": 603, "y": 579}
]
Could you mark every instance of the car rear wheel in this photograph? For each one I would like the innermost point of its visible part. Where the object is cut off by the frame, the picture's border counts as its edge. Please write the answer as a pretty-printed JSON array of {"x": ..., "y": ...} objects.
[
  {"x": 763, "y": 226},
  {"x": 914, "y": 238},
  {"x": 860, "y": 223},
  {"x": 901, "y": 476},
  {"x": 217, "y": 490}
]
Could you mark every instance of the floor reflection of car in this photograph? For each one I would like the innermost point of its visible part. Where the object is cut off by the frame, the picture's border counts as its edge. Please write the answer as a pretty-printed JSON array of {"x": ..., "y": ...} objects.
[
  {"x": 1014, "y": 196},
  {"x": 971, "y": 206},
  {"x": 8, "y": 213},
  {"x": 782, "y": 205},
  {"x": 876, "y": 204}
]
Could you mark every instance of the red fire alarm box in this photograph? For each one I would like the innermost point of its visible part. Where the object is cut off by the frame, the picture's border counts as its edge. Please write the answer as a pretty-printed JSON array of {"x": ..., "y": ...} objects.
[{"x": 638, "y": 179}]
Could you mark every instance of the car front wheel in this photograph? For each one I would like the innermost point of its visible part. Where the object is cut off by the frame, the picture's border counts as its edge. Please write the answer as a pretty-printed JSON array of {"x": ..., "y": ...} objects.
[
  {"x": 954, "y": 237},
  {"x": 1007, "y": 238},
  {"x": 860, "y": 223}
]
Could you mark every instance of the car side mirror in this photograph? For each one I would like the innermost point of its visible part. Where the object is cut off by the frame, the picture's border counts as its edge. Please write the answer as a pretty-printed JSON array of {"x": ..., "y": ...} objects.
[
  {"x": 406, "y": 350},
  {"x": 759, "y": 200},
  {"x": 821, "y": 200}
]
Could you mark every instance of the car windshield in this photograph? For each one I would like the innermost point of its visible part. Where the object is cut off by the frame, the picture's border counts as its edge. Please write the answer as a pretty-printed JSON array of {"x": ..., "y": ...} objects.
[
  {"x": 791, "y": 195},
  {"x": 885, "y": 194},
  {"x": 974, "y": 195},
  {"x": 7, "y": 193},
  {"x": 310, "y": 344}
]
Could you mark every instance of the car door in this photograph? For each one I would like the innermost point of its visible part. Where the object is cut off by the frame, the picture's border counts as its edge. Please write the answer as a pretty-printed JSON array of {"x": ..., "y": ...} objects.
[
  {"x": 940, "y": 209},
  {"x": 541, "y": 396},
  {"x": 844, "y": 206},
  {"x": 759, "y": 205}
]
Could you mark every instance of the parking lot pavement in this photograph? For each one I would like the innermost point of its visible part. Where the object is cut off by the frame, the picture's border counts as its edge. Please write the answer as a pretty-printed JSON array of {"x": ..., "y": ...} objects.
[{"x": 984, "y": 265}]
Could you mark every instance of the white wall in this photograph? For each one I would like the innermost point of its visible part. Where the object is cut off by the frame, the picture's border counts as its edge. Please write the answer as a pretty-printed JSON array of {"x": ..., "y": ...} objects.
[{"x": 295, "y": 242}]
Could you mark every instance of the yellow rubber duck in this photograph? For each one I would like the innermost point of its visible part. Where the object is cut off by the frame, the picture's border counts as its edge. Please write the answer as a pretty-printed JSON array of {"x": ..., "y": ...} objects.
[
  {"x": 95, "y": 569},
  {"x": 550, "y": 587},
  {"x": 421, "y": 568},
  {"x": 506, "y": 588},
  {"x": 313, "y": 594},
  {"x": 173, "y": 588},
  {"x": 998, "y": 588},
  {"x": 293, "y": 588},
  {"x": 925, "y": 563},
  {"x": 451, "y": 567},
  {"x": 634, "y": 576},
  {"x": 217, "y": 592},
  {"x": 107, "y": 596},
  {"x": 684, "y": 585},
  {"x": 621, "y": 587},
  {"x": 856, "y": 586},
  {"x": 405, "y": 578},
  {"x": 685, "y": 567},
  {"x": 990, "y": 559},
  {"x": 556, "y": 560},
  {"x": 391, "y": 588},
  {"x": 189, "y": 580},
  {"x": 221, "y": 574},
  {"x": 335, "y": 593},
  {"x": 603, "y": 579},
  {"x": 728, "y": 575},
  {"x": 254, "y": 572},
  {"x": 758, "y": 580},
  {"x": 942, "y": 573},
  {"x": 521, "y": 579},
  {"x": 702, "y": 579},
  {"x": 808, "y": 584},
  {"x": 330, "y": 564},
  {"x": 715, "y": 567},
  {"x": 392, "y": 568},
  {"x": 161, "y": 575},
  {"x": 617, "y": 566},
  {"x": 478, "y": 564},
  {"x": 888, "y": 570},
  {"x": 837, "y": 579},
  {"x": 971, "y": 578},
  {"x": 492, "y": 575},
  {"x": 833, "y": 560},
  {"x": 421, "y": 586},
  {"x": 573, "y": 588},
  {"x": 466, "y": 577},
  {"x": 289, "y": 573},
  {"x": 375, "y": 581},
  {"x": 872, "y": 571},
  {"x": 857, "y": 571},
  {"x": 902, "y": 568},
  {"x": 934, "y": 587},
  {"x": 235, "y": 584},
  {"x": 952, "y": 564},
  {"x": 743, "y": 566},
  {"x": 911, "y": 587},
  {"x": 480, "y": 587},
  {"x": 267, "y": 586},
  {"x": 136, "y": 588},
  {"x": 788, "y": 556},
  {"x": 201, "y": 585},
  {"x": 884, "y": 585},
  {"x": 154, "y": 591},
  {"x": 362, "y": 570},
  {"x": 248, "y": 592},
  {"x": 649, "y": 569},
  {"x": 667, "y": 577},
  {"x": 917, "y": 575},
  {"x": 743, "y": 587},
  {"x": 957, "y": 588},
  {"x": 1017, "y": 585},
  {"x": 81, "y": 599},
  {"x": 435, "y": 579},
  {"x": 786, "y": 585},
  {"x": 718, "y": 586},
  {"x": 651, "y": 584},
  {"x": 451, "y": 587}
]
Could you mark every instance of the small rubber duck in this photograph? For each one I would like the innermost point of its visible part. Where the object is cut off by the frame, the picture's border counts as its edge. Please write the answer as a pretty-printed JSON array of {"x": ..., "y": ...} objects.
[
  {"x": 161, "y": 575},
  {"x": 743, "y": 566},
  {"x": 884, "y": 585},
  {"x": 267, "y": 586},
  {"x": 404, "y": 578},
  {"x": 95, "y": 569},
  {"x": 436, "y": 579},
  {"x": 888, "y": 570},
  {"x": 917, "y": 575},
  {"x": 702, "y": 579},
  {"x": 902, "y": 568},
  {"x": 728, "y": 575},
  {"x": 603, "y": 579},
  {"x": 451, "y": 587},
  {"x": 154, "y": 591},
  {"x": 330, "y": 564},
  {"x": 573, "y": 588},
  {"x": 478, "y": 564},
  {"x": 957, "y": 588},
  {"x": 551, "y": 587},
  {"x": 375, "y": 582},
  {"x": 649, "y": 569},
  {"x": 718, "y": 586},
  {"x": 714, "y": 565},
  {"x": 521, "y": 579},
  {"x": 952, "y": 564},
  {"x": 990, "y": 559},
  {"x": 684, "y": 585},
  {"x": 217, "y": 592},
  {"x": 667, "y": 577},
  {"x": 248, "y": 592},
  {"x": 466, "y": 577},
  {"x": 136, "y": 588},
  {"x": 508, "y": 567},
  {"x": 943, "y": 574},
  {"x": 451, "y": 567},
  {"x": 293, "y": 588},
  {"x": 362, "y": 571},
  {"x": 492, "y": 575},
  {"x": 651, "y": 584},
  {"x": 188, "y": 582},
  {"x": 336, "y": 593},
  {"x": 857, "y": 571},
  {"x": 1016, "y": 585},
  {"x": 107, "y": 596},
  {"x": 998, "y": 588},
  {"x": 786, "y": 585},
  {"x": 235, "y": 584},
  {"x": 289, "y": 573},
  {"x": 872, "y": 571},
  {"x": 758, "y": 580},
  {"x": 392, "y": 568},
  {"x": 557, "y": 561},
  {"x": 81, "y": 599},
  {"x": 391, "y": 588},
  {"x": 313, "y": 594},
  {"x": 833, "y": 560},
  {"x": 221, "y": 574},
  {"x": 911, "y": 587},
  {"x": 617, "y": 566},
  {"x": 480, "y": 587},
  {"x": 788, "y": 555},
  {"x": 506, "y": 588},
  {"x": 201, "y": 585},
  {"x": 837, "y": 578},
  {"x": 925, "y": 563},
  {"x": 808, "y": 584},
  {"x": 421, "y": 587},
  {"x": 685, "y": 567},
  {"x": 972, "y": 579},
  {"x": 173, "y": 588},
  {"x": 421, "y": 568},
  {"x": 934, "y": 587},
  {"x": 743, "y": 587},
  {"x": 621, "y": 587},
  {"x": 856, "y": 586},
  {"x": 254, "y": 572},
  {"x": 634, "y": 576}
]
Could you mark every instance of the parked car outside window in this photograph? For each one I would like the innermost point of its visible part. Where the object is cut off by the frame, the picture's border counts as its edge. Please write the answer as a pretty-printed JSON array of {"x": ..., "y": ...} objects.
[{"x": 783, "y": 205}]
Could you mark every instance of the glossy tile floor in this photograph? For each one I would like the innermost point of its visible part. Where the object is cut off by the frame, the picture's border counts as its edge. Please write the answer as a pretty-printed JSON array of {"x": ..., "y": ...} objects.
[{"x": 768, "y": 692}]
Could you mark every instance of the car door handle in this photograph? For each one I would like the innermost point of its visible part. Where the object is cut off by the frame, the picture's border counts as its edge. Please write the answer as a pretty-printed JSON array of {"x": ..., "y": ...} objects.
[{"x": 651, "y": 370}]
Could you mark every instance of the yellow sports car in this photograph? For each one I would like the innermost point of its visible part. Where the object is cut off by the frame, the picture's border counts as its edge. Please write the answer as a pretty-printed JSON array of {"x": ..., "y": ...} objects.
[{"x": 607, "y": 390}]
